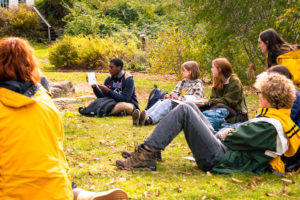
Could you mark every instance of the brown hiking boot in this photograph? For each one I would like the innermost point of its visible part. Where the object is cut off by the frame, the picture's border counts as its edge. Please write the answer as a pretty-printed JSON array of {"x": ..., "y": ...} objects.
[
  {"x": 143, "y": 117},
  {"x": 139, "y": 159},
  {"x": 136, "y": 117},
  {"x": 127, "y": 154}
]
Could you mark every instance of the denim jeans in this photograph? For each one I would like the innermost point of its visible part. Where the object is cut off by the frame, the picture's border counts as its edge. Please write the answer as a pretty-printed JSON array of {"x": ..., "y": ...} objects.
[
  {"x": 199, "y": 134},
  {"x": 159, "y": 110}
]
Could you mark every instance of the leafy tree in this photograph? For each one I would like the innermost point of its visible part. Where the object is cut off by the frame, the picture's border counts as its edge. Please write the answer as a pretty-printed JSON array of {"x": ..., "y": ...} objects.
[{"x": 232, "y": 27}]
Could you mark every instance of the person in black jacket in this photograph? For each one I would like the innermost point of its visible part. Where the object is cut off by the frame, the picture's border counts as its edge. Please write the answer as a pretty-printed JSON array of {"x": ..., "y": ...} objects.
[{"x": 120, "y": 87}]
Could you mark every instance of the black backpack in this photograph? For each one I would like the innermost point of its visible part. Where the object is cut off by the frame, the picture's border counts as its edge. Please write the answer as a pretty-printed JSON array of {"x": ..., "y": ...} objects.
[
  {"x": 101, "y": 107},
  {"x": 155, "y": 95}
]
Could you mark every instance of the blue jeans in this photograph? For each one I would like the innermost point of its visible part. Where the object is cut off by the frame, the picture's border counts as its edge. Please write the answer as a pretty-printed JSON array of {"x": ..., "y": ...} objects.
[
  {"x": 199, "y": 134},
  {"x": 159, "y": 110}
]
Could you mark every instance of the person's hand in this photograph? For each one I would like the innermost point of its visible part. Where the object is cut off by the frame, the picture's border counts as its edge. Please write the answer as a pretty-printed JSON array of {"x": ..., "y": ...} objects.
[
  {"x": 174, "y": 96},
  {"x": 103, "y": 88},
  {"x": 167, "y": 96},
  {"x": 205, "y": 101},
  {"x": 225, "y": 133}
]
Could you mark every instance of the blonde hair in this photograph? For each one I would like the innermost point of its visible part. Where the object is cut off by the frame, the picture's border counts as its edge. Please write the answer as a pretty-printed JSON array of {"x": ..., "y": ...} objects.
[
  {"x": 278, "y": 90},
  {"x": 193, "y": 67}
]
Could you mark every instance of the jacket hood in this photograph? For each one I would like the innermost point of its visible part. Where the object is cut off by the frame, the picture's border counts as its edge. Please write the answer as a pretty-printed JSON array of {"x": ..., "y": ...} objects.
[
  {"x": 13, "y": 99},
  {"x": 17, "y": 94}
]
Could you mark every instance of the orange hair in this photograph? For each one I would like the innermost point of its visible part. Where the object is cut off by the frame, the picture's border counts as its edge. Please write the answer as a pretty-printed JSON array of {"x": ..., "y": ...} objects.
[
  {"x": 225, "y": 72},
  {"x": 17, "y": 61}
]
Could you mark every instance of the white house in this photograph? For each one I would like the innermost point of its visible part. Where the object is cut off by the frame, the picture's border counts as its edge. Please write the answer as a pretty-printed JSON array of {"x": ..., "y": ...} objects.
[{"x": 15, "y": 3}]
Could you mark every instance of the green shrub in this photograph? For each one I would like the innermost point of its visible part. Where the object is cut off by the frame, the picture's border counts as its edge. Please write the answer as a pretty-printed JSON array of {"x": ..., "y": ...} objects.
[
  {"x": 89, "y": 52},
  {"x": 87, "y": 24},
  {"x": 173, "y": 47},
  {"x": 21, "y": 22}
]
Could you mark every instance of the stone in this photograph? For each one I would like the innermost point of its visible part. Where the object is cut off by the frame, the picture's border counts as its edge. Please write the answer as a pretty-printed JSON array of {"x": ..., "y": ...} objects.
[
  {"x": 63, "y": 88},
  {"x": 65, "y": 101}
]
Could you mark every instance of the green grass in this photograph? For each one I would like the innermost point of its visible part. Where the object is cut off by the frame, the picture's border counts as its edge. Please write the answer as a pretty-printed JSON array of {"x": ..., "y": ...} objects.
[{"x": 93, "y": 144}]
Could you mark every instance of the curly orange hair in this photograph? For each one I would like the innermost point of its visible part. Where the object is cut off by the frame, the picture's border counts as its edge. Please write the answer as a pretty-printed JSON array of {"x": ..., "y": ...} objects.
[{"x": 17, "y": 61}]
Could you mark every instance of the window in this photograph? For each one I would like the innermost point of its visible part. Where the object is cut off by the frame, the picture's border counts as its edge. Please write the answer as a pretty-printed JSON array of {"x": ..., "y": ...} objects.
[
  {"x": 4, "y": 3},
  {"x": 22, "y": 1}
]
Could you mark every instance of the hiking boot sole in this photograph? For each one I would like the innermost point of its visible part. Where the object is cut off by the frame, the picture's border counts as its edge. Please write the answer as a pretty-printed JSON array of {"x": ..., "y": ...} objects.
[
  {"x": 143, "y": 116},
  {"x": 149, "y": 166},
  {"x": 136, "y": 117},
  {"x": 111, "y": 195}
]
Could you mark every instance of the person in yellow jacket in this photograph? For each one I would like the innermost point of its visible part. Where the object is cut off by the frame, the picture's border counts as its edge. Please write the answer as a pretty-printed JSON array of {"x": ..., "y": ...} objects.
[{"x": 32, "y": 162}]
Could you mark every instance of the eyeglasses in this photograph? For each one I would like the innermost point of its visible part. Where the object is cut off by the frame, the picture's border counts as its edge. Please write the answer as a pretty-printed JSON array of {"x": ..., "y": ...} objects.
[{"x": 258, "y": 92}]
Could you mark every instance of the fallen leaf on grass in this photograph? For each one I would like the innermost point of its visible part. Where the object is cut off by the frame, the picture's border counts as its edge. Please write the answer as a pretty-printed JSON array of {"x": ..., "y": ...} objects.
[
  {"x": 146, "y": 195},
  {"x": 164, "y": 180},
  {"x": 208, "y": 173},
  {"x": 283, "y": 190},
  {"x": 122, "y": 179},
  {"x": 270, "y": 195},
  {"x": 157, "y": 193},
  {"x": 70, "y": 138},
  {"x": 179, "y": 189},
  {"x": 92, "y": 187},
  {"x": 139, "y": 185},
  {"x": 236, "y": 180},
  {"x": 287, "y": 181},
  {"x": 102, "y": 141},
  {"x": 154, "y": 172},
  {"x": 111, "y": 182},
  {"x": 94, "y": 158},
  {"x": 243, "y": 188}
]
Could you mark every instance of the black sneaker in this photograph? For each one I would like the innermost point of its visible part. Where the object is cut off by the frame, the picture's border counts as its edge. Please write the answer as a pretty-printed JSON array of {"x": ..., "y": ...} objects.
[
  {"x": 158, "y": 155},
  {"x": 122, "y": 113},
  {"x": 81, "y": 109}
]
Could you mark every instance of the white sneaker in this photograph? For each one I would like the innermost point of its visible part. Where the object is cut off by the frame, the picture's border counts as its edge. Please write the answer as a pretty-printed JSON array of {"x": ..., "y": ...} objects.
[{"x": 114, "y": 194}]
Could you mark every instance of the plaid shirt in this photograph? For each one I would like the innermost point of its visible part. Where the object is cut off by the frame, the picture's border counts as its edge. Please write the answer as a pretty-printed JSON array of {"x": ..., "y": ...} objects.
[{"x": 196, "y": 88}]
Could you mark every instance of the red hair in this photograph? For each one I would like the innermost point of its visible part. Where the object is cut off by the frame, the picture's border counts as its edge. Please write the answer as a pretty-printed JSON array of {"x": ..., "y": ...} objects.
[
  {"x": 224, "y": 66},
  {"x": 17, "y": 61}
]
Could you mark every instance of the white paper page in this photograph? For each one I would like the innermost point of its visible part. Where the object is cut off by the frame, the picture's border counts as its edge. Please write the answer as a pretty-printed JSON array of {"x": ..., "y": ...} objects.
[
  {"x": 189, "y": 97},
  {"x": 92, "y": 78}
]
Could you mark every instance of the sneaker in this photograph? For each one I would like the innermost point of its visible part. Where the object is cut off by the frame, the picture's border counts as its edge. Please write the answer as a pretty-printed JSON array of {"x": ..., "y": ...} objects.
[
  {"x": 140, "y": 159},
  {"x": 127, "y": 154},
  {"x": 122, "y": 113},
  {"x": 143, "y": 117},
  {"x": 80, "y": 110},
  {"x": 158, "y": 155},
  {"x": 136, "y": 117},
  {"x": 107, "y": 195}
]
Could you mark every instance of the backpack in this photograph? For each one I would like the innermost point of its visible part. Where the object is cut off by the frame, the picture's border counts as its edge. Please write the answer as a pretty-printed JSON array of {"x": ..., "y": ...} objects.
[
  {"x": 101, "y": 107},
  {"x": 291, "y": 60},
  {"x": 155, "y": 95}
]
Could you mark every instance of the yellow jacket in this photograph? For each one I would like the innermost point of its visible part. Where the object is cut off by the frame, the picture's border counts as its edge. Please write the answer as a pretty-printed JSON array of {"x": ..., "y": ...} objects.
[
  {"x": 32, "y": 162},
  {"x": 292, "y": 61}
]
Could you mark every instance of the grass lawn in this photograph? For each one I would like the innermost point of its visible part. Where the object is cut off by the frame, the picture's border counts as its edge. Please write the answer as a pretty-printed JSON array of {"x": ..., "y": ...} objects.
[{"x": 93, "y": 144}]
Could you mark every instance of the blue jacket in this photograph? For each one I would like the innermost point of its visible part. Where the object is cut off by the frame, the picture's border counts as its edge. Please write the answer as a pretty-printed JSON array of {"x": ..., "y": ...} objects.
[
  {"x": 123, "y": 92},
  {"x": 295, "y": 114}
]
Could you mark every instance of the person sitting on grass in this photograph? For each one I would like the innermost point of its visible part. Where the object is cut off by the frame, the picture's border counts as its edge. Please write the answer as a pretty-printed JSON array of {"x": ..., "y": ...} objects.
[
  {"x": 251, "y": 147},
  {"x": 190, "y": 85},
  {"x": 32, "y": 165},
  {"x": 227, "y": 90},
  {"x": 118, "y": 86},
  {"x": 292, "y": 163}
]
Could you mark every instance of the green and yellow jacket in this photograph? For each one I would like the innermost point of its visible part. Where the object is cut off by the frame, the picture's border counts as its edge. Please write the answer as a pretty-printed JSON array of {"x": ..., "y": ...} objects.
[{"x": 259, "y": 143}]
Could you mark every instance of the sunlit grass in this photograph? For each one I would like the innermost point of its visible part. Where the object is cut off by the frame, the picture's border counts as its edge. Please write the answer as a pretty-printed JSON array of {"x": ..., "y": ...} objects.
[{"x": 93, "y": 144}]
